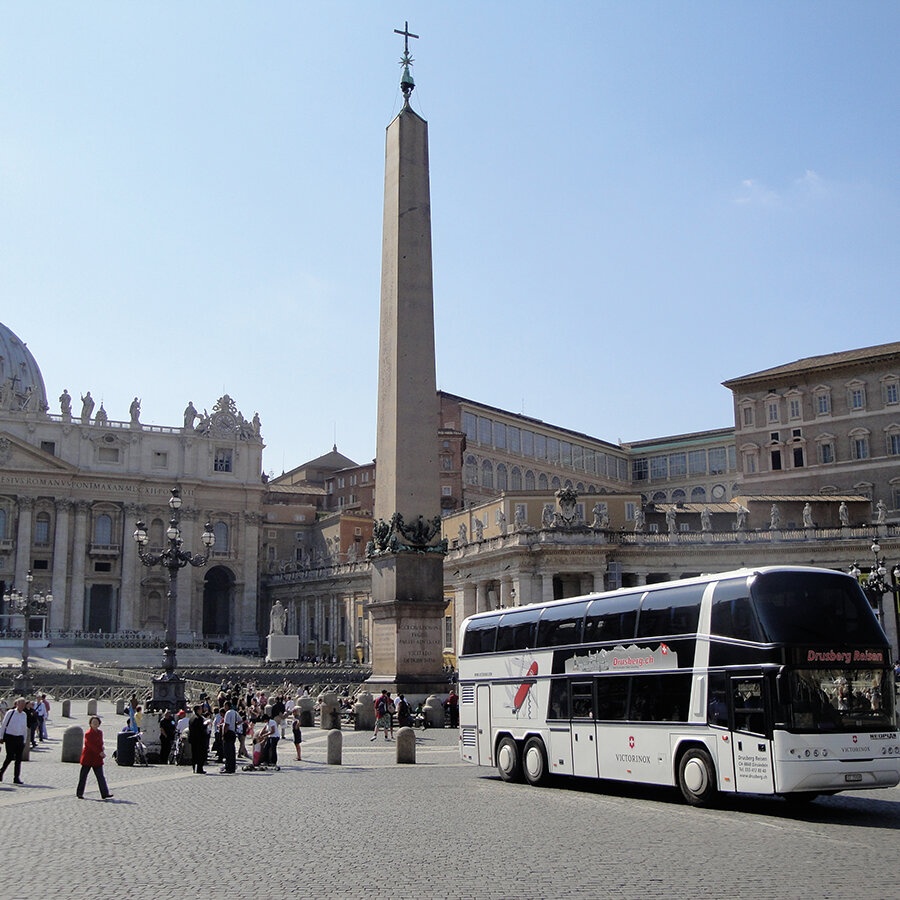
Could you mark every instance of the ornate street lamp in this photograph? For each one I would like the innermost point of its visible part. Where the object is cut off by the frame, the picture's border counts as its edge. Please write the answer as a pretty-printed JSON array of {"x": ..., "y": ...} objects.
[
  {"x": 875, "y": 584},
  {"x": 31, "y": 603},
  {"x": 168, "y": 688}
]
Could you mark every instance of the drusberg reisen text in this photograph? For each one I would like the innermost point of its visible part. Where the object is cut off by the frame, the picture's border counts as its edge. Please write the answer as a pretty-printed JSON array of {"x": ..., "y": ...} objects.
[{"x": 845, "y": 656}]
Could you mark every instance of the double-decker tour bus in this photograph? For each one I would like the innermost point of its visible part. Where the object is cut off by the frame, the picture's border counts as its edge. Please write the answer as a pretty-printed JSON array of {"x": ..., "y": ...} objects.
[{"x": 776, "y": 680}]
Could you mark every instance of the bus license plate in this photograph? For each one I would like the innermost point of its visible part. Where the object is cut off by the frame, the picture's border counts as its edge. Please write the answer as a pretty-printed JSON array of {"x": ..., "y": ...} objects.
[{"x": 854, "y": 777}]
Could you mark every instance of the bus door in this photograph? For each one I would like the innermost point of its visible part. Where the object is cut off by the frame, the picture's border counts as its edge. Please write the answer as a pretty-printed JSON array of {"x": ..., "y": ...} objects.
[
  {"x": 483, "y": 720},
  {"x": 750, "y": 739},
  {"x": 584, "y": 730}
]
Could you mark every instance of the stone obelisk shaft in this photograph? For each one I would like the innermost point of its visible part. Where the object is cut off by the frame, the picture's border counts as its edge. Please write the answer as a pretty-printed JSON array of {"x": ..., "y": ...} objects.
[{"x": 408, "y": 477}]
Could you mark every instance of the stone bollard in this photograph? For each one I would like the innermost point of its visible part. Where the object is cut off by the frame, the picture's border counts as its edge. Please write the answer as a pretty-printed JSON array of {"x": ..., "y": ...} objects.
[
  {"x": 120, "y": 706},
  {"x": 26, "y": 750},
  {"x": 434, "y": 712},
  {"x": 335, "y": 746},
  {"x": 72, "y": 744},
  {"x": 307, "y": 707},
  {"x": 67, "y": 709},
  {"x": 406, "y": 745},
  {"x": 329, "y": 711},
  {"x": 92, "y": 707},
  {"x": 364, "y": 712}
]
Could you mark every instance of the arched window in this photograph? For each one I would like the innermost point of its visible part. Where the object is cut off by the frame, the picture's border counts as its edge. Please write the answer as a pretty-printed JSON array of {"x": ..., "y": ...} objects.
[
  {"x": 556, "y": 484},
  {"x": 471, "y": 470},
  {"x": 698, "y": 495},
  {"x": 42, "y": 528},
  {"x": 157, "y": 533},
  {"x": 103, "y": 529},
  {"x": 220, "y": 530},
  {"x": 580, "y": 487},
  {"x": 543, "y": 484},
  {"x": 515, "y": 479},
  {"x": 678, "y": 496},
  {"x": 487, "y": 474},
  {"x": 502, "y": 478},
  {"x": 529, "y": 480},
  {"x": 659, "y": 497}
]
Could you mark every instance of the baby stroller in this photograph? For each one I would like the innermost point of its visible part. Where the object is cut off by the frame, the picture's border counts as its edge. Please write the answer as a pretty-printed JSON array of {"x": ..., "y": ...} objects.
[
  {"x": 178, "y": 753},
  {"x": 261, "y": 761}
]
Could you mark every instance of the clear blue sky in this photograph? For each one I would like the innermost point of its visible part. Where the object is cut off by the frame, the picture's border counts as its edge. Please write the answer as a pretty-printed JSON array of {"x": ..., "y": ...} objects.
[{"x": 631, "y": 202}]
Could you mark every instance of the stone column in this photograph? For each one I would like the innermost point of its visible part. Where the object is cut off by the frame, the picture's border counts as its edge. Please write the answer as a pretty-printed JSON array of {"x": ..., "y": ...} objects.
[
  {"x": 599, "y": 582},
  {"x": 130, "y": 595},
  {"x": 250, "y": 596},
  {"x": 59, "y": 584},
  {"x": 481, "y": 597},
  {"x": 79, "y": 556},
  {"x": 465, "y": 601},
  {"x": 23, "y": 542},
  {"x": 586, "y": 583},
  {"x": 546, "y": 587},
  {"x": 505, "y": 586}
]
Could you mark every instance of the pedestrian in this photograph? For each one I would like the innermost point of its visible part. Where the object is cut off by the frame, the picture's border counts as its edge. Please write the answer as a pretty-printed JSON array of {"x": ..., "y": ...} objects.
[
  {"x": 274, "y": 733},
  {"x": 451, "y": 704},
  {"x": 382, "y": 717},
  {"x": 41, "y": 712},
  {"x": 295, "y": 730},
  {"x": 404, "y": 718},
  {"x": 198, "y": 738},
  {"x": 13, "y": 732},
  {"x": 92, "y": 758},
  {"x": 391, "y": 709},
  {"x": 32, "y": 716},
  {"x": 167, "y": 733},
  {"x": 229, "y": 736}
]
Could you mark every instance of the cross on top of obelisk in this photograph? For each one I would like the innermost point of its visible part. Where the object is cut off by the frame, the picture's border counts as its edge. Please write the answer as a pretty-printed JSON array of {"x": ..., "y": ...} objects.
[{"x": 407, "y": 84}]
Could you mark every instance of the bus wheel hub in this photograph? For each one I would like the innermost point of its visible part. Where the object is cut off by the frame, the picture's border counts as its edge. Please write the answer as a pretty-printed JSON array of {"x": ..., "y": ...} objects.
[{"x": 695, "y": 776}]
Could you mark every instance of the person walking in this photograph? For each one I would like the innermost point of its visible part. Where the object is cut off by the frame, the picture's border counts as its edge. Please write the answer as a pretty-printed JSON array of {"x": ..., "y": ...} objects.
[
  {"x": 92, "y": 758},
  {"x": 229, "y": 736},
  {"x": 382, "y": 717},
  {"x": 198, "y": 738},
  {"x": 166, "y": 736},
  {"x": 14, "y": 732},
  {"x": 295, "y": 731}
]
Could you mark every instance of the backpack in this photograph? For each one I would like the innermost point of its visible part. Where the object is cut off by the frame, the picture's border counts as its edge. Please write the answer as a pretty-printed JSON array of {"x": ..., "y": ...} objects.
[
  {"x": 380, "y": 707},
  {"x": 403, "y": 709}
]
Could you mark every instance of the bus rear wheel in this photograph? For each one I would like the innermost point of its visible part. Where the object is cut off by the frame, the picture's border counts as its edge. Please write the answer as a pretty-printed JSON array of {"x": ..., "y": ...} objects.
[
  {"x": 508, "y": 763},
  {"x": 534, "y": 761},
  {"x": 697, "y": 777}
]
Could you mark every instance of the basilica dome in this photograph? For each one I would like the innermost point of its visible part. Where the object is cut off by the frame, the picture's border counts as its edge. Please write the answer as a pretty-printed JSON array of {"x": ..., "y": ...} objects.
[{"x": 21, "y": 382}]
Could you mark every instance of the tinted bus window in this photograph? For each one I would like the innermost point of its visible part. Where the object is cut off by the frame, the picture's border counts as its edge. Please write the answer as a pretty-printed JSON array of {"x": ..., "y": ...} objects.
[
  {"x": 813, "y": 607},
  {"x": 516, "y": 631},
  {"x": 582, "y": 700},
  {"x": 660, "y": 698},
  {"x": 480, "y": 635},
  {"x": 671, "y": 611},
  {"x": 560, "y": 625},
  {"x": 611, "y": 619},
  {"x": 732, "y": 612},
  {"x": 559, "y": 699},
  {"x": 612, "y": 696}
]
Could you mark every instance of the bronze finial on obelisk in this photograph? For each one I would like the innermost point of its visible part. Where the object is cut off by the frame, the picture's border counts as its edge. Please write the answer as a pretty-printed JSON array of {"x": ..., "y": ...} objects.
[{"x": 407, "y": 551}]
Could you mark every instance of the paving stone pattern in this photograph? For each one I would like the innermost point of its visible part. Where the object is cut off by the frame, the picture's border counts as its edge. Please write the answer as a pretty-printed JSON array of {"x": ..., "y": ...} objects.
[{"x": 313, "y": 830}]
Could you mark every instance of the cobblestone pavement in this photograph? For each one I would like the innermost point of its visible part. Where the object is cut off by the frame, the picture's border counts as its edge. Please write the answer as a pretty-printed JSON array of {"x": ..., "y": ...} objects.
[{"x": 313, "y": 830}]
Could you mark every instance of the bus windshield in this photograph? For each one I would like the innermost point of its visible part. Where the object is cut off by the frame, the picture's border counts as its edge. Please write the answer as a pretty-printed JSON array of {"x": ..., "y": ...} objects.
[
  {"x": 814, "y": 608},
  {"x": 842, "y": 700}
]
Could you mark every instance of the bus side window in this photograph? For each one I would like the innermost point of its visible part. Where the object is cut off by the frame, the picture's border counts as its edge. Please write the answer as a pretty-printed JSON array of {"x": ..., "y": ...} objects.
[
  {"x": 732, "y": 613},
  {"x": 612, "y": 696},
  {"x": 670, "y": 611},
  {"x": 582, "y": 700},
  {"x": 480, "y": 635},
  {"x": 559, "y": 699},
  {"x": 749, "y": 706},
  {"x": 516, "y": 631},
  {"x": 717, "y": 708}
]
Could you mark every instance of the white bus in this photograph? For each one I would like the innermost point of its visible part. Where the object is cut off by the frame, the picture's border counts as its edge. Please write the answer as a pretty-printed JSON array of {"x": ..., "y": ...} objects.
[{"x": 775, "y": 681}]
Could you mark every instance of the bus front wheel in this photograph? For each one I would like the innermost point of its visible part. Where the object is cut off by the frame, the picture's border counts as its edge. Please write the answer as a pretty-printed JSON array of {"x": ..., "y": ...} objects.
[
  {"x": 508, "y": 764},
  {"x": 534, "y": 761},
  {"x": 697, "y": 777}
]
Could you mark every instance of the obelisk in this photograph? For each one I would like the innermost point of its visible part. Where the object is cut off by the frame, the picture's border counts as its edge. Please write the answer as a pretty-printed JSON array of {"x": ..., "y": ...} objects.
[{"x": 406, "y": 551}]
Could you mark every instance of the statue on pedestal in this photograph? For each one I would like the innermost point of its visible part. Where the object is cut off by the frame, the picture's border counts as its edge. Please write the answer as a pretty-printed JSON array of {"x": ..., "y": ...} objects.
[
  {"x": 774, "y": 517},
  {"x": 640, "y": 520},
  {"x": 135, "y": 411},
  {"x": 844, "y": 515},
  {"x": 277, "y": 618},
  {"x": 87, "y": 408},
  {"x": 807, "y": 517},
  {"x": 705, "y": 519},
  {"x": 65, "y": 404}
]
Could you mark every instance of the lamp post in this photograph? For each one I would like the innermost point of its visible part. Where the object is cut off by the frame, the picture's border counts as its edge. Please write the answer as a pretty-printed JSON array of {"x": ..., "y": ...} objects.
[
  {"x": 168, "y": 688},
  {"x": 29, "y": 604},
  {"x": 875, "y": 586}
]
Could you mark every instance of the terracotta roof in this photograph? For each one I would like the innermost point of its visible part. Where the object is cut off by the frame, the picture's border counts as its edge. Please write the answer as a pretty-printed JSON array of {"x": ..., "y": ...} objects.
[
  {"x": 828, "y": 361},
  {"x": 804, "y": 498}
]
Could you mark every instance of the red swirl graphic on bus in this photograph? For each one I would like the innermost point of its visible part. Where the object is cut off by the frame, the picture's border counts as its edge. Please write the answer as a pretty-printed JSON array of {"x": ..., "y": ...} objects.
[{"x": 524, "y": 688}]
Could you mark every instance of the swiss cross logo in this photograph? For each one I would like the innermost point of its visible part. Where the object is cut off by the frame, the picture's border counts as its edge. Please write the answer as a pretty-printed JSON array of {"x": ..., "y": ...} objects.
[
  {"x": 631, "y": 741},
  {"x": 664, "y": 649},
  {"x": 855, "y": 738}
]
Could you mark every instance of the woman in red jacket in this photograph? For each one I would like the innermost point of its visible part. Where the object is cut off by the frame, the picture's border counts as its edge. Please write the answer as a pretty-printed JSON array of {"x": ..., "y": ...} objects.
[{"x": 92, "y": 758}]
